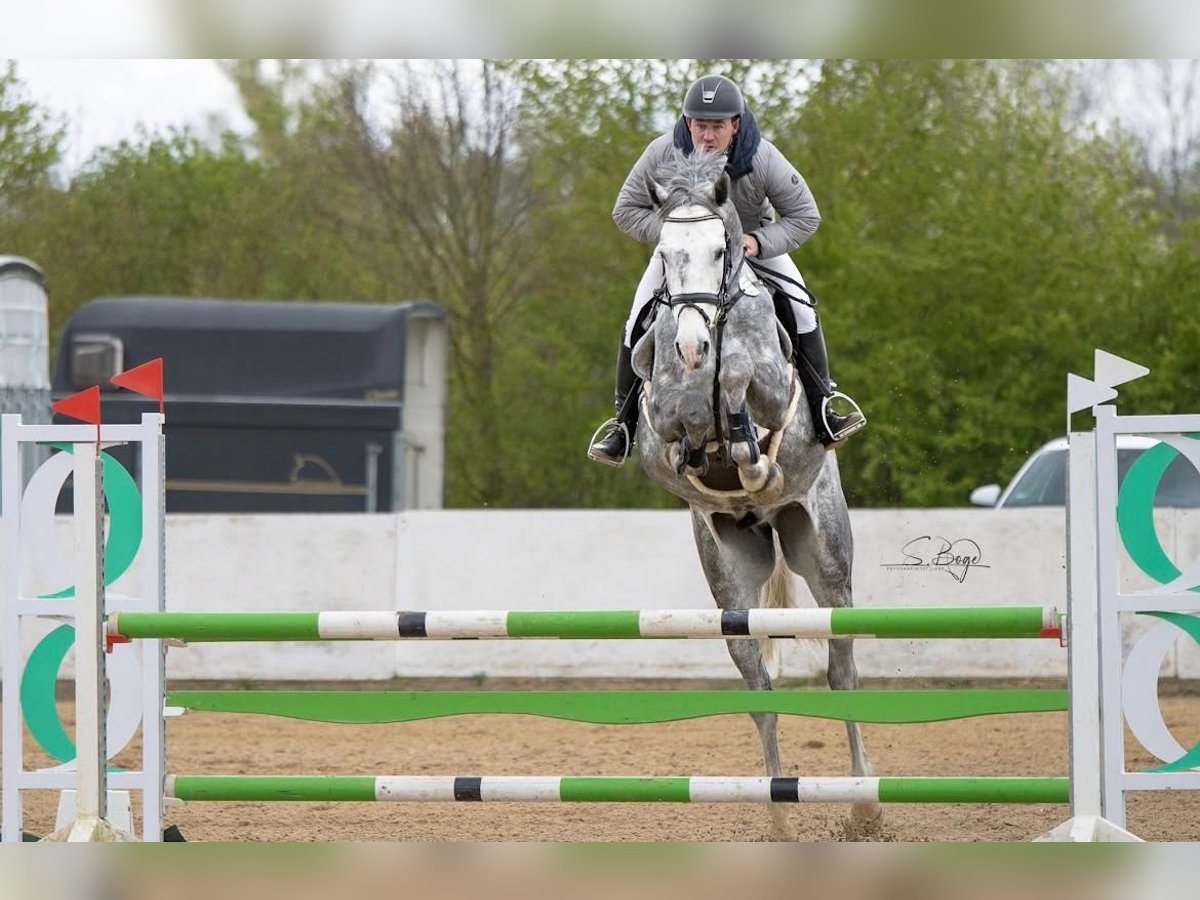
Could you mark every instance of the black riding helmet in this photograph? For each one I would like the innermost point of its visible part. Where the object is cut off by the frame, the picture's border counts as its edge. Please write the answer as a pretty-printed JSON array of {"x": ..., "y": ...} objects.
[{"x": 713, "y": 97}]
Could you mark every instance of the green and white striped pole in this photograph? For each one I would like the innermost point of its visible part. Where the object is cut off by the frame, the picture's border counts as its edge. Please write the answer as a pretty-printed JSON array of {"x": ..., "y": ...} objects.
[
  {"x": 615, "y": 789},
  {"x": 901, "y": 622}
]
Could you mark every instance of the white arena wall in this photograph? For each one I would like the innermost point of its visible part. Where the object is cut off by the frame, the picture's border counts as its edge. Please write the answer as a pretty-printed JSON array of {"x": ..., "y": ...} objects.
[{"x": 588, "y": 559}]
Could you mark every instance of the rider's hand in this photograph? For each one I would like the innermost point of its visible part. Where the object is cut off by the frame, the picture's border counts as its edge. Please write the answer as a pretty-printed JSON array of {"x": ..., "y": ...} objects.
[{"x": 750, "y": 244}]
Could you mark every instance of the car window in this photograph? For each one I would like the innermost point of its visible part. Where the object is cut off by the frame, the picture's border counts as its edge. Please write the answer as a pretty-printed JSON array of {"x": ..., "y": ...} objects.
[{"x": 1044, "y": 482}]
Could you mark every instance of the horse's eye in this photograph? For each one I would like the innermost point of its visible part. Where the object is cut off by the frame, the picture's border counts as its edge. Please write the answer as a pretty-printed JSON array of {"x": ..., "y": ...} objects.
[{"x": 718, "y": 254}]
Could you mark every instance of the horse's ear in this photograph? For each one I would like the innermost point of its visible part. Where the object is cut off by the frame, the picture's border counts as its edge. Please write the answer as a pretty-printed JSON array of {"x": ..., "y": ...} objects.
[
  {"x": 643, "y": 356},
  {"x": 721, "y": 189},
  {"x": 658, "y": 194},
  {"x": 785, "y": 340}
]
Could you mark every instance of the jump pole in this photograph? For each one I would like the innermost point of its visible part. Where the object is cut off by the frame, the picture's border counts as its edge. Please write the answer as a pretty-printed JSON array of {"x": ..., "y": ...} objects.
[
  {"x": 904, "y": 622},
  {"x": 616, "y": 789}
]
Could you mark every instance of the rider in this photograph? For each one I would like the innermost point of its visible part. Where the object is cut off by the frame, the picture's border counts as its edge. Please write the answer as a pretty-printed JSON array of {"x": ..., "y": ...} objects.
[{"x": 716, "y": 118}]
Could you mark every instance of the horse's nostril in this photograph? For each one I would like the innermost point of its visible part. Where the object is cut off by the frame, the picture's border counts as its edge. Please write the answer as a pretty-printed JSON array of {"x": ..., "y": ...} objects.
[
  {"x": 678, "y": 350},
  {"x": 703, "y": 348}
]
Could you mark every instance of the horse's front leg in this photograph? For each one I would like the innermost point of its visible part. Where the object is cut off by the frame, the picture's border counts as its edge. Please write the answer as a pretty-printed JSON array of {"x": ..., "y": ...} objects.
[
  {"x": 753, "y": 467},
  {"x": 690, "y": 460},
  {"x": 695, "y": 421}
]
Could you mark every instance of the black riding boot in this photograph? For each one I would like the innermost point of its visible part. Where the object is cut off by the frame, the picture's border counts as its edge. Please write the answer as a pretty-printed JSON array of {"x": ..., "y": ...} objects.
[
  {"x": 812, "y": 365},
  {"x": 614, "y": 447}
]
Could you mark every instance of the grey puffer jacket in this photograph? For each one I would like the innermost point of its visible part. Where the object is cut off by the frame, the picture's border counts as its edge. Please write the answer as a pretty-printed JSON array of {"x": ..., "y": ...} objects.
[{"x": 772, "y": 184}]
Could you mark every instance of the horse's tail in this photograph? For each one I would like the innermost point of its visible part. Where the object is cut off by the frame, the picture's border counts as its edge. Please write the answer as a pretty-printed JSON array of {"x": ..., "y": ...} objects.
[{"x": 777, "y": 593}]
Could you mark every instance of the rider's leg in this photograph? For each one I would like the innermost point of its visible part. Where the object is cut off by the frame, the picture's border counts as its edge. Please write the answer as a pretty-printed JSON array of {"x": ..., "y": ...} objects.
[
  {"x": 615, "y": 445},
  {"x": 811, "y": 358},
  {"x": 832, "y": 426}
]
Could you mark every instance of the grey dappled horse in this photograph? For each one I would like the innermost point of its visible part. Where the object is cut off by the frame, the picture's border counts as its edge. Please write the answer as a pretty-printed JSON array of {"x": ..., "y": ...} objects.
[{"x": 718, "y": 378}]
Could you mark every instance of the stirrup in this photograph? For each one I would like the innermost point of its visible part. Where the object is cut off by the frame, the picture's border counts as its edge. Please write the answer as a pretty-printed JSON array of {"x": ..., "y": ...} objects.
[
  {"x": 849, "y": 429},
  {"x": 610, "y": 425}
]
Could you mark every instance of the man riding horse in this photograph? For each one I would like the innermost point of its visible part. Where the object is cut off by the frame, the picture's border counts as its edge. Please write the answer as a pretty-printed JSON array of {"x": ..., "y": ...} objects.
[{"x": 715, "y": 118}]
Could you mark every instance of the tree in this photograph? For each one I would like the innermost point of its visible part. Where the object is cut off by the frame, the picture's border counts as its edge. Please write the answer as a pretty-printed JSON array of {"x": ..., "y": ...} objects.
[
  {"x": 975, "y": 247},
  {"x": 1153, "y": 104},
  {"x": 30, "y": 143},
  {"x": 430, "y": 190}
]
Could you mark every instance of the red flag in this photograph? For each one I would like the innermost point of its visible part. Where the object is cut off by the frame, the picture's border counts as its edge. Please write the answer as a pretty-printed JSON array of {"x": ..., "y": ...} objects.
[
  {"x": 84, "y": 406},
  {"x": 146, "y": 379}
]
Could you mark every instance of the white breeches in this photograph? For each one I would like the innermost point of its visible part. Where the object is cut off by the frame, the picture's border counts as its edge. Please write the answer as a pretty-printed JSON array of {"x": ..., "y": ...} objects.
[{"x": 652, "y": 278}]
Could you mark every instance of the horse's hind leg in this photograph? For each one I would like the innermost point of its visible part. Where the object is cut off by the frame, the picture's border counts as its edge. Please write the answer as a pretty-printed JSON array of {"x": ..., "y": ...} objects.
[
  {"x": 823, "y": 558},
  {"x": 736, "y": 570}
]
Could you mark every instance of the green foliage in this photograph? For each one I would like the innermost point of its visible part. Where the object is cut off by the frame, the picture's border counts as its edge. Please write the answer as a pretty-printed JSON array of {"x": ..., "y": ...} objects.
[
  {"x": 30, "y": 144},
  {"x": 975, "y": 248},
  {"x": 977, "y": 242}
]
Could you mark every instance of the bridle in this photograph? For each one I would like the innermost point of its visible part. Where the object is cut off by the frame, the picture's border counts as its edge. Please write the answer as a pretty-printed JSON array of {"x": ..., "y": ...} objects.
[
  {"x": 728, "y": 294},
  {"x": 730, "y": 290}
]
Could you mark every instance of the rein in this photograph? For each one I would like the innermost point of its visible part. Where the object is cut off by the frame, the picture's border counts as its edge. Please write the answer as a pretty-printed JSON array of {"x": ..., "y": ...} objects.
[{"x": 728, "y": 295}]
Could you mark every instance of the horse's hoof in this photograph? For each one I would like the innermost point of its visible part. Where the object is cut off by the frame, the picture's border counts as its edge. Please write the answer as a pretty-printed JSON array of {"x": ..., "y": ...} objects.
[
  {"x": 867, "y": 812},
  {"x": 864, "y": 824},
  {"x": 752, "y": 482},
  {"x": 745, "y": 455},
  {"x": 866, "y": 817},
  {"x": 781, "y": 828},
  {"x": 772, "y": 486}
]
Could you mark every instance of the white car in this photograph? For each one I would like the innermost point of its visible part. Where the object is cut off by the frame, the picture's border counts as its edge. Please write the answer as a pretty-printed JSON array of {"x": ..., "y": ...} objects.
[{"x": 1042, "y": 480}]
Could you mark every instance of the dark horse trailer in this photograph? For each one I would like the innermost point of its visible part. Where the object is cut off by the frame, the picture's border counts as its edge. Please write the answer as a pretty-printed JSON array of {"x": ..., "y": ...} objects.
[{"x": 276, "y": 406}]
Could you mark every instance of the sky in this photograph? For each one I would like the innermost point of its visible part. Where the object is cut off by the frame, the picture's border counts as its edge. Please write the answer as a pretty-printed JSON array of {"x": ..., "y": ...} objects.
[{"x": 103, "y": 101}]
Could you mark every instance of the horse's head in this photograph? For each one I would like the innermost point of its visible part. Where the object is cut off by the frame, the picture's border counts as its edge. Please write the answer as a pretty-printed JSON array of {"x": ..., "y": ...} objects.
[{"x": 700, "y": 245}]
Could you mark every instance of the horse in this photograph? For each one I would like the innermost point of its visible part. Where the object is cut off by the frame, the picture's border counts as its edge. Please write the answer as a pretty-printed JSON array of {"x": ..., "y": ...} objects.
[{"x": 726, "y": 429}]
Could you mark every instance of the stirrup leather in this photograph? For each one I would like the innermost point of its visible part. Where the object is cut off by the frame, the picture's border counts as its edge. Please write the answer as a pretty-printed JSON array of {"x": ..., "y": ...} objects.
[
  {"x": 847, "y": 430},
  {"x": 610, "y": 425}
]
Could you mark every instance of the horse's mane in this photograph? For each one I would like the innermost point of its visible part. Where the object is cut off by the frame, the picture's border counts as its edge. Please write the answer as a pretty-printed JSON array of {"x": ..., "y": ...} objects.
[{"x": 689, "y": 179}]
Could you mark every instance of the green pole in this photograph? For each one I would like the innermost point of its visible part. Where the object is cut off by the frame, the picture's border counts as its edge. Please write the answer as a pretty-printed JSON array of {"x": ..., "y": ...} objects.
[
  {"x": 975, "y": 790},
  {"x": 949, "y": 622},
  {"x": 575, "y": 624},
  {"x": 238, "y": 788},
  {"x": 624, "y": 790},
  {"x": 238, "y": 626}
]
